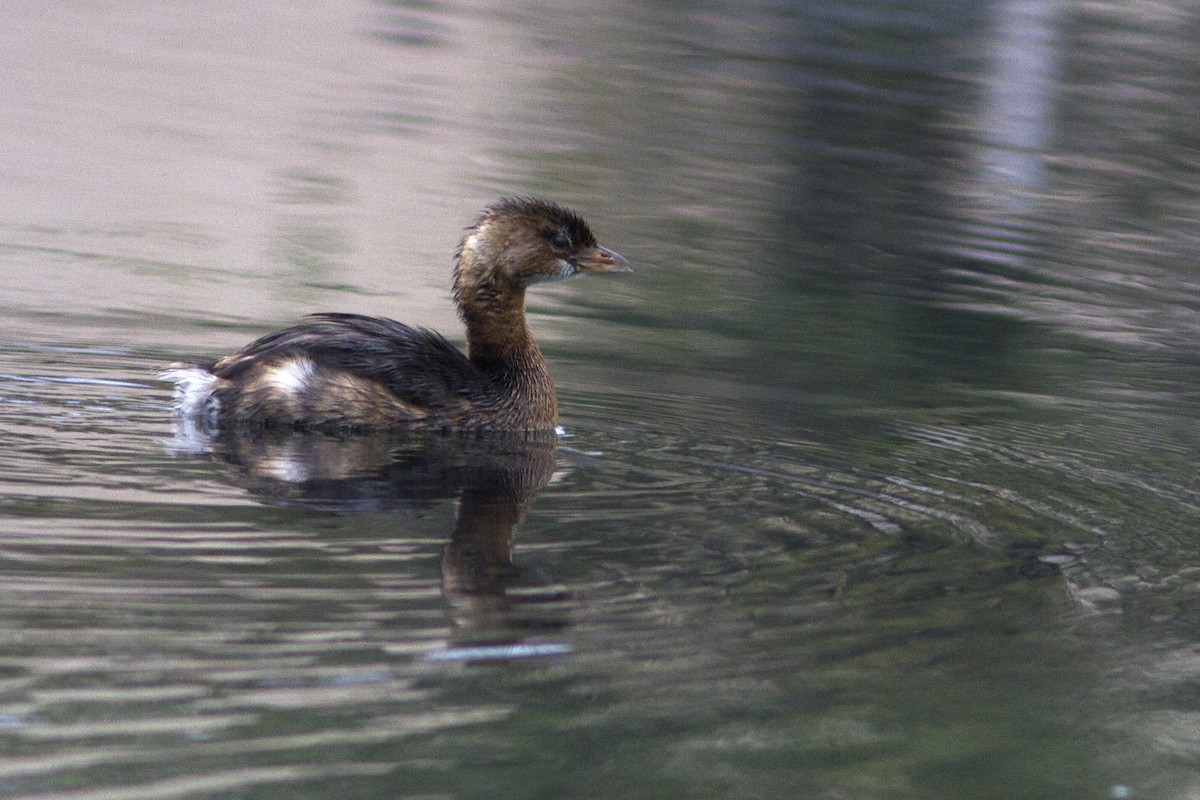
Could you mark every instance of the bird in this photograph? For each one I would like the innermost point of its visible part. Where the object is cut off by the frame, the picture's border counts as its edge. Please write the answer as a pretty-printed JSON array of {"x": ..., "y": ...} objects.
[{"x": 340, "y": 371}]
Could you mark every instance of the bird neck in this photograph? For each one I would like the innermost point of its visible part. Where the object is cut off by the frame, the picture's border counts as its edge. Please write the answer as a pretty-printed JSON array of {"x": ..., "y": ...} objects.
[
  {"x": 500, "y": 344},
  {"x": 497, "y": 333},
  {"x": 492, "y": 308}
]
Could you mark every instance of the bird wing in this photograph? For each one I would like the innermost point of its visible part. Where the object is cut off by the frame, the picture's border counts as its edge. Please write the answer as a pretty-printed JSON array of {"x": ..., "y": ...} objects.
[{"x": 418, "y": 365}]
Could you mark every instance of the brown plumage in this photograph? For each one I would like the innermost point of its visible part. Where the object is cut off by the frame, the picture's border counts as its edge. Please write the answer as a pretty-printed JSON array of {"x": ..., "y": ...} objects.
[{"x": 351, "y": 371}]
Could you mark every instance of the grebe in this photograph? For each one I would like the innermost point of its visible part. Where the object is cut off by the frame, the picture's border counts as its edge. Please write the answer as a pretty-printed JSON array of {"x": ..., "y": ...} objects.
[{"x": 351, "y": 371}]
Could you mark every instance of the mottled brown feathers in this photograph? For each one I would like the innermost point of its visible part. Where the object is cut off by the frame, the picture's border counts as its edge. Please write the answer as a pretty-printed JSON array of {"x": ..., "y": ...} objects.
[{"x": 349, "y": 370}]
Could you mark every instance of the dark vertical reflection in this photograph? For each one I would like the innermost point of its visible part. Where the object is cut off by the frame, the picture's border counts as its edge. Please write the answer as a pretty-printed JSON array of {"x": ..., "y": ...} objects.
[
  {"x": 873, "y": 182},
  {"x": 493, "y": 477},
  {"x": 787, "y": 167}
]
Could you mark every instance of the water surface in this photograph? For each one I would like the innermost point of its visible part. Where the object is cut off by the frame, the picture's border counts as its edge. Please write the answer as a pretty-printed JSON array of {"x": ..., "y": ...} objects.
[{"x": 878, "y": 474}]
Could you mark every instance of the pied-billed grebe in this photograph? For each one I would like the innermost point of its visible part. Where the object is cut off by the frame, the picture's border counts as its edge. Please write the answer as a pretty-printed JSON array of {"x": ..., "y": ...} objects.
[{"x": 351, "y": 371}]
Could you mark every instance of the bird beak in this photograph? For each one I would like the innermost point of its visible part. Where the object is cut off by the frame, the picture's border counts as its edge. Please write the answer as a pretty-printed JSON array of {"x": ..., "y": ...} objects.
[{"x": 601, "y": 259}]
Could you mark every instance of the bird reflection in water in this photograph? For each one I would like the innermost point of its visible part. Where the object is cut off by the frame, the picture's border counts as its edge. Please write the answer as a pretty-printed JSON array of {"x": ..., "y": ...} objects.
[{"x": 493, "y": 476}]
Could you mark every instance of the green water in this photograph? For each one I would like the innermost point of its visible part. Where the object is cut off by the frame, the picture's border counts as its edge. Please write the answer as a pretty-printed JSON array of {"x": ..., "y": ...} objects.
[{"x": 877, "y": 477}]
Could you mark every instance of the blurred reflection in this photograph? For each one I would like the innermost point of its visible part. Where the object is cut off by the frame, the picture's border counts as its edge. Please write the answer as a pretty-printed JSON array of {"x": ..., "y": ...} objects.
[{"x": 493, "y": 476}]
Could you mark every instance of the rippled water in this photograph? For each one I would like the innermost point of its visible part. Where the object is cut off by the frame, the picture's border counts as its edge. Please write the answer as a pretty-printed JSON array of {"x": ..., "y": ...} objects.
[{"x": 878, "y": 476}]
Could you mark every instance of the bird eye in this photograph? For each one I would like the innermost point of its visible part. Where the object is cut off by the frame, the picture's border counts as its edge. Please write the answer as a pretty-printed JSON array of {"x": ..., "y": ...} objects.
[{"x": 560, "y": 241}]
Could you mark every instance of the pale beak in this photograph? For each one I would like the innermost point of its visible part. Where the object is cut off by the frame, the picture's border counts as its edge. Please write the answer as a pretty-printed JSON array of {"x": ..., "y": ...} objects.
[{"x": 601, "y": 259}]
